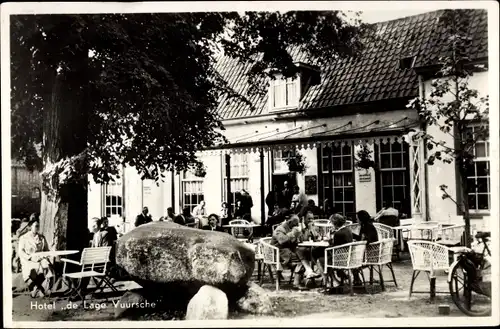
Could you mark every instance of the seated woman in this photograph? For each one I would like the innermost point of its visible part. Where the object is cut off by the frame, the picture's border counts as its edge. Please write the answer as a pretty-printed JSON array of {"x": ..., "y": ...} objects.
[
  {"x": 368, "y": 232},
  {"x": 286, "y": 237},
  {"x": 213, "y": 224},
  {"x": 35, "y": 270},
  {"x": 224, "y": 213},
  {"x": 342, "y": 235}
]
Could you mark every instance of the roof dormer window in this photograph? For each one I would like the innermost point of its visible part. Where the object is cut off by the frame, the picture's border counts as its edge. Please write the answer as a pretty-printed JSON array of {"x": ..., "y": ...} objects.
[{"x": 284, "y": 93}]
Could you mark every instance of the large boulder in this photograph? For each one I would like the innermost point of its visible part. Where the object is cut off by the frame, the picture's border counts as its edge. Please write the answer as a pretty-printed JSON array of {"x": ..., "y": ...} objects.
[
  {"x": 176, "y": 261},
  {"x": 209, "y": 303},
  {"x": 129, "y": 304},
  {"x": 256, "y": 300}
]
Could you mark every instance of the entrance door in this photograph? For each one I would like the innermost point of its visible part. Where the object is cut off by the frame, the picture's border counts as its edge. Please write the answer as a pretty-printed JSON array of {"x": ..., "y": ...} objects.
[{"x": 278, "y": 180}]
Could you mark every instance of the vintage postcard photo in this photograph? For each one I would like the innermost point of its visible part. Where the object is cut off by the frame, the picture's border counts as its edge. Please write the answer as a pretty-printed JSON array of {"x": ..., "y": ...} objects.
[{"x": 206, "y": 164}]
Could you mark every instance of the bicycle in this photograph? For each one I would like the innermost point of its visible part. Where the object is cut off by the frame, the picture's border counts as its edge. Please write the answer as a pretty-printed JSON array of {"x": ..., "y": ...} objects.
[{"x": 469, "y": 291}]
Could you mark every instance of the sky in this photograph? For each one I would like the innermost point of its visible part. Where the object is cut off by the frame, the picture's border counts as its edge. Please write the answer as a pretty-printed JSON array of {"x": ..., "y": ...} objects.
[{"x": 373, "y": 16}]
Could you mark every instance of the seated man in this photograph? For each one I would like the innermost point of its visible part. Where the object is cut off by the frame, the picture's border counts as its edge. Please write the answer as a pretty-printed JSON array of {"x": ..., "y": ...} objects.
[
  {"x": 35, "y": 270},
  {"x": 213, "y": 224},
  {"x": 310, "y": 207},
  {"x": 342, "y": 235},
  {"x": 286, "y": 237},
  {"x": 185, "y": 218},
  {"x": 388, "y": 216}
]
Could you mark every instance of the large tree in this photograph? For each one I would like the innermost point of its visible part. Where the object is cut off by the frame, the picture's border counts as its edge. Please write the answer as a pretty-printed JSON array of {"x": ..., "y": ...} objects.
[
  {"x": 459, "y": 112},
  {"x": 91, "y": 93}
]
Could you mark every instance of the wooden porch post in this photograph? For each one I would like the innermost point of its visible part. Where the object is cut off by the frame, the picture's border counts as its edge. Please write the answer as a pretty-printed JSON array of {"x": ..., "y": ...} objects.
[
  {"x": 172, "y": 190},
  {"x": 262, "y": 198},
  {"x": 229, "y": 195}
]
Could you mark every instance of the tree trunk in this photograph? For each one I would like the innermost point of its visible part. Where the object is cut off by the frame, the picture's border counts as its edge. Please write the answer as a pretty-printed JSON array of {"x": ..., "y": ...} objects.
[{"x": 63, "y": 217}]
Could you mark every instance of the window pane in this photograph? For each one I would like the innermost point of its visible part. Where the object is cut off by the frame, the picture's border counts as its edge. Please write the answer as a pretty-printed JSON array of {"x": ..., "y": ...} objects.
[
  {"x": 336, "y": 150},
  {"x": 472, "y": 201},
  {"x": 337, "y": 180},
  {"x": 482, "y": 168},
  {"x": 349, "y": 194},
  {"x": 396, "y": 147},
  {"x": 348, "y": 179},
  {"x": 482, "y": 185},
  {"x": 337, "y": 165},
  {"x": 346, "y": 149},
  {"x": 483, "y": 201},
  {"x": 398, "y": 177},
  {"x": 387, "y": 178},
  {"x": 399, "y": 193},
  {"x": 327, "y": 181},
  {"x": 480, "y": 150},
  {"x": 108, "y": 212},
  {"x": 387, "y": 194},
  {"x": 338, "y": 194},
  {"x": 386, "y": 160},
  {"x": 471, "y": 170},
  {"x": 346, "y": 163},
  {"x": 349, "y": 209},
  {"x": 385, "y": 147},
  {"x": 396, "y": 160},
  {"x": 325, "y": 165},
  {"x": 471, "y": 184}
]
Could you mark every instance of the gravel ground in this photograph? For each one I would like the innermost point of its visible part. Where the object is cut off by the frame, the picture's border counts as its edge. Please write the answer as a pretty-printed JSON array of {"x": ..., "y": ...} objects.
[{"x": 392, "y": 303}]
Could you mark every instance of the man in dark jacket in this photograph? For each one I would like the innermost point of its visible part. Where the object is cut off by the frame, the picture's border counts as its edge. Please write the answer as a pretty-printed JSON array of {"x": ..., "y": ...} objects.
[
  {"x": 246, "y": 202},
  {"x": 286, "y": 237},
  {"x": 272, "y": 199},
  {"x": 185, "y": 218},
  {"x": 143, "y": 217},
  {"x": 285, "y": 196},
  {"x": 213, "y": 224}
]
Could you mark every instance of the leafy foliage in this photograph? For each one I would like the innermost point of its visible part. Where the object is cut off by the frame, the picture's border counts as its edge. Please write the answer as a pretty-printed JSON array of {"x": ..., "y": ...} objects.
[
  {"x": 297, "y": 163},
  {"x": 364, "y": 158},
  {"x": 152, "y": 87},
  {"x": 453, "y": 106}
]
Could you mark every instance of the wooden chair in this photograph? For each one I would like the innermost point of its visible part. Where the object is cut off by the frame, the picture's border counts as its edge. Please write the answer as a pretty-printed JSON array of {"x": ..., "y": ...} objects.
[
  {"x": 347, "y": 257},
  {"x": 93, "y": 265},
  {"x": 378, "y": 255},
  {"x": 428, "y": 257},
  {"x": 271, "y": 258}
]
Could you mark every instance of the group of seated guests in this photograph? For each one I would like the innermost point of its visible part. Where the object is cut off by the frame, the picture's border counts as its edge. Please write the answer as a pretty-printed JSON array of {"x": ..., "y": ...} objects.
[
  {"x": 292, "y": 231},
  {"x": 281, "y": 214}
]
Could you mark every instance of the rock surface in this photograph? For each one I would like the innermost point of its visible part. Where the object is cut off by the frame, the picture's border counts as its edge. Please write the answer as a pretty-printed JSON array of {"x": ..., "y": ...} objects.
[
  {"x": 209, "y": 303},
  {"x": 256, "y": 300},
  {"x": 175, "y": 260}
]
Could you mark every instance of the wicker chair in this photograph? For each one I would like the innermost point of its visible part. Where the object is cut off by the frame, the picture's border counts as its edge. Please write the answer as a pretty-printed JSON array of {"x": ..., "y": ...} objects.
[
  {"x": 428, "y": 257},
  {"x": 378, "y": 255},
  {"x": 384, "y": 231},
  {"x": 347, "y": 257},
  {"x": 271, "y": 258},
  {"x": 323, "y": 230},
  {"x": 452, "y": 236},
  {"x": 239, "y": 232}
]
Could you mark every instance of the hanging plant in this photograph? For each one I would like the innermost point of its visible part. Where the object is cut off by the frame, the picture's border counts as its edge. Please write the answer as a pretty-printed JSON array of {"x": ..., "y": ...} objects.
[
  {"x": 364, "y": 158},
  {"x": 200, "y": 170},
  {"x": 297, "y": 163}
]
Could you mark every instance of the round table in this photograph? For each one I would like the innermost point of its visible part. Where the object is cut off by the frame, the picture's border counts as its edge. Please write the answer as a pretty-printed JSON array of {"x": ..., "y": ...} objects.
[
  {"x": 313, "y": 244},
  {"x": 55, "y": 253}
]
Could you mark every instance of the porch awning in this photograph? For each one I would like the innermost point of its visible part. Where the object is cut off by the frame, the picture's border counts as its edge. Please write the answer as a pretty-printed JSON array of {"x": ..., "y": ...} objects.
[{"x": 371, "y": 128}]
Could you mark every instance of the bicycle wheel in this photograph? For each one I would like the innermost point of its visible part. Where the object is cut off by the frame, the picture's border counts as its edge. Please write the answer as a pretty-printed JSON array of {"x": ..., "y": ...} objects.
[{"x": 465, "y": 295}]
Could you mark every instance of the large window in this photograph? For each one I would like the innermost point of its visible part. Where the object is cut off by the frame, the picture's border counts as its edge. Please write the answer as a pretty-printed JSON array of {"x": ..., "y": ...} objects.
[
  {"x": 394, "y": 182},
  {"x": 478, "y": 176},
  {"x": 239, "y": 175},
  {"x": 192, "y": 190},
  {"x": 339, "y": 186},
  {"x": 113, "y": 198},
  {"x": 280, "y": 158},
  {"x": 284, "y": 93}
]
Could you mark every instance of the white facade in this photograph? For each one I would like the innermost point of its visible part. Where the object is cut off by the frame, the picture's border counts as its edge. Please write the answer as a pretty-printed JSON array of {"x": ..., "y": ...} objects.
[{"x": 367, "y": 184}]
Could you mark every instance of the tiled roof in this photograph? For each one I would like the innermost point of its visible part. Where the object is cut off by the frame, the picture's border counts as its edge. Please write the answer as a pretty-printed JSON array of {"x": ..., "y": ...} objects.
[{"x": 373, "y": 76}]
